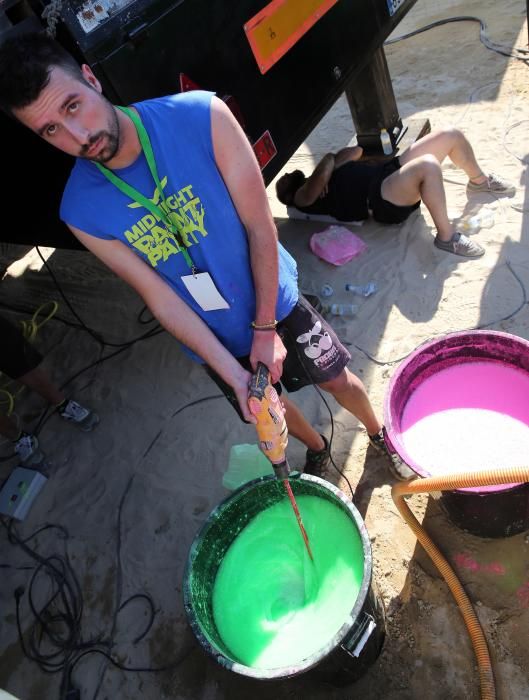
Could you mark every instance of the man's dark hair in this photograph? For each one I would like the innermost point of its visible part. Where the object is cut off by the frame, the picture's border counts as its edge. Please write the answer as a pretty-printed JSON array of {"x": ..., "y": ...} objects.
[
  {"x": 288, "y": 185},
  {"x": 25, "y": 65}
]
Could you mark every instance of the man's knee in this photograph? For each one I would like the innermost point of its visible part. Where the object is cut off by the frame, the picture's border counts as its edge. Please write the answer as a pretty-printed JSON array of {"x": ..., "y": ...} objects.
[{"x": 346, "y": 380}]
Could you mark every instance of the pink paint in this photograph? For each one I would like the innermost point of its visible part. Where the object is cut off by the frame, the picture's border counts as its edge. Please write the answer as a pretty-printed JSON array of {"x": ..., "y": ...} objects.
[
  {"x": 495, "y": 567},
  {"x": 468, "y": 417},
  {"x": 465, "y": 561}
]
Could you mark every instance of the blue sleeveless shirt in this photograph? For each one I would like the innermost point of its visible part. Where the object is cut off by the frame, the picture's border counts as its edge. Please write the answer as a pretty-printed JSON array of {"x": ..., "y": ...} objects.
[{"x": 179, "y": 127}]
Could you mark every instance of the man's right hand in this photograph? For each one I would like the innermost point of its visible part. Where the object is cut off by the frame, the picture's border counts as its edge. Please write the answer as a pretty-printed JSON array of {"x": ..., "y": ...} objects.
[
  {"x": 240, "y": 385},
  {"x": 268, "y": 348}
]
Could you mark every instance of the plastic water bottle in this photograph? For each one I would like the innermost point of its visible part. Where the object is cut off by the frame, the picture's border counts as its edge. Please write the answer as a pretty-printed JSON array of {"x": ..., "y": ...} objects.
[
  {"x": 364, "y": 290},
  {"x": 487, "y": 218},
  {"x": 343, "y": 309},
  {"x": 327, "y": 290},
  {"x": 385, "y": 140},
  {"x": 471, "y": 224}
]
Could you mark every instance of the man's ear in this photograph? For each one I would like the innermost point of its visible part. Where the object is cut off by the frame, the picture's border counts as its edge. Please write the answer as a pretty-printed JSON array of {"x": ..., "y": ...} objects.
[{"x": 90, "y": 77}]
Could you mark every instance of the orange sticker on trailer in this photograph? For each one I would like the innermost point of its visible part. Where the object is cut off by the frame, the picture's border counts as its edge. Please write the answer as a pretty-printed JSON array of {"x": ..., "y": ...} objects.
[{"x": 278, "y": 26}]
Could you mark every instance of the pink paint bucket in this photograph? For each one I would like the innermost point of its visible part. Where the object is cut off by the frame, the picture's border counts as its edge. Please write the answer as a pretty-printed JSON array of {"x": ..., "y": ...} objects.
[{"x": 461, "y": 404}]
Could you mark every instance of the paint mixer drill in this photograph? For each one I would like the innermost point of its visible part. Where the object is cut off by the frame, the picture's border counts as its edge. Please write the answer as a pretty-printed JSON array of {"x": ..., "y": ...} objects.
[{"x": 265, "y": 405}]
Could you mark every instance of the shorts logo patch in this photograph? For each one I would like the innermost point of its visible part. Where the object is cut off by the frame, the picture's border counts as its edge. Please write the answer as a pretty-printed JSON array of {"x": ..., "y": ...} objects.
[{"x": 315, "y": 341}]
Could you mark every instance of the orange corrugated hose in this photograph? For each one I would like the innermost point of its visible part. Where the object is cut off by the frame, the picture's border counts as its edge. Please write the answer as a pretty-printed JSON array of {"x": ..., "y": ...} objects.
[{"x": 450, "y": 482}]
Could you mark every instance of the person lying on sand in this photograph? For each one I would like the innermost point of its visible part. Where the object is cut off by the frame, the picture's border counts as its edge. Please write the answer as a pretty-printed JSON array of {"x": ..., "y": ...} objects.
[{"x": 349, "y": 190}]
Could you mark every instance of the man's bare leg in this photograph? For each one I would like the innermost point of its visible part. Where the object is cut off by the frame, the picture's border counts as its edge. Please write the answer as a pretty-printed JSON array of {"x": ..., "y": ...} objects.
[
  {"x": 300, "y": 428},
  {"x": 350, "y": 393}
]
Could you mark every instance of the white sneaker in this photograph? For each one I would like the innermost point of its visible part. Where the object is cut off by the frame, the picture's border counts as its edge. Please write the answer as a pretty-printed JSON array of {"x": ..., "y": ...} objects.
[
  {"x": 84, "y": 418},
  {"x": 27, "y": 448}
]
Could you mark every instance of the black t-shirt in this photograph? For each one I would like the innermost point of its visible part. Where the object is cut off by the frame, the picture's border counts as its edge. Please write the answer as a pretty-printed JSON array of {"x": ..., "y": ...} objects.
[{"x": 348, "y": 192}]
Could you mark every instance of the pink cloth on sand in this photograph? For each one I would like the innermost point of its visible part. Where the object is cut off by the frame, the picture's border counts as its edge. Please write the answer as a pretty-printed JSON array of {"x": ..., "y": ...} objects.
[{"x": 336, "y": 245}]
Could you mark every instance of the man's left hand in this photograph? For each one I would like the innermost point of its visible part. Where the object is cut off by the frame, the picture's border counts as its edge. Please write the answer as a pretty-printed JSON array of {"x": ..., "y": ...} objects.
[{"x": 268, "y": 348}]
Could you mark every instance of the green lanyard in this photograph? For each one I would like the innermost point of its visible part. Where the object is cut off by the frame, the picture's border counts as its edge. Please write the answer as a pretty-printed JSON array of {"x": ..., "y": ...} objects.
[{"x": 138, "y": 196}]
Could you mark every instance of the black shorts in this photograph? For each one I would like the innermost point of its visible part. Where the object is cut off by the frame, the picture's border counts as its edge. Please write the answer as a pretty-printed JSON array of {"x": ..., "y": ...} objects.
[
  {"x": 314, "y": 353},
  {"x": 17, "y": 356},
  {"x": 385, "y": 212}
]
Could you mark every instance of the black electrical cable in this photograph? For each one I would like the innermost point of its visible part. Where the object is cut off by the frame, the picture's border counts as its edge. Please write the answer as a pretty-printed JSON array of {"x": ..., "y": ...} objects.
[
  {"x": 490, "y": 45},
  {"x": 55, "y": 634},
  {"x": 138, "y": 669},
  {"x": 54, "y": 640},
  {"x": 143, "y": 320},
  {"x": 340, "y": 471},
  {"x": 179, "y": 410},
  {"x": 68, "y": 647},
  {"x": 196, "y": 402}
]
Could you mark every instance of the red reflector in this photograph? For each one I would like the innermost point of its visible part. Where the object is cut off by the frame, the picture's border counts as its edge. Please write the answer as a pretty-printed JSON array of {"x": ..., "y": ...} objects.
[
  {"x": 186, "y": 84},
  {"x": 264, "y": 149}
]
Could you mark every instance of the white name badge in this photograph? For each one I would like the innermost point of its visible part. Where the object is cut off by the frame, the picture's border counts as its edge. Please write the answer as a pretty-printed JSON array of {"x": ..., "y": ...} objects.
[{"x": 203, "y": 290}]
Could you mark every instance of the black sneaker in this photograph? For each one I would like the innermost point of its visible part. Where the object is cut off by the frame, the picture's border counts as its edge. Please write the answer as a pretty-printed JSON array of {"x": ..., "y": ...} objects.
[
  {"x": 398, "y": 469},
  {"x": 317, "y": 461}
]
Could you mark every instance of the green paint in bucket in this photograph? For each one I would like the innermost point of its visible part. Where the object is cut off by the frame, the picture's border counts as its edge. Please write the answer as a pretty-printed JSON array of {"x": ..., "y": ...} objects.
[
  {"x": 342, "y": 652},
  {"x": 268, "y": 593}
]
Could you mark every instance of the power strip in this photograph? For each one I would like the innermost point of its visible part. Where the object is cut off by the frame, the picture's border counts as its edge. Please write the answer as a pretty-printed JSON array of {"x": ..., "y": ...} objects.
[{"x": 18, "y": 493}]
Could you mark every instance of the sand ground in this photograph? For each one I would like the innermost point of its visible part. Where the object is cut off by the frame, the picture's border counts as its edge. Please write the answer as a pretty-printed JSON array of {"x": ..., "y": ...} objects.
[{"x": 168, "y": 464}]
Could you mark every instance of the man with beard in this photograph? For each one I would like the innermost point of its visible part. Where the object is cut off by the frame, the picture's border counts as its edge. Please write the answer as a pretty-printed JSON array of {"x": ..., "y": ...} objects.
[{"x": 168, "y": 194}]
